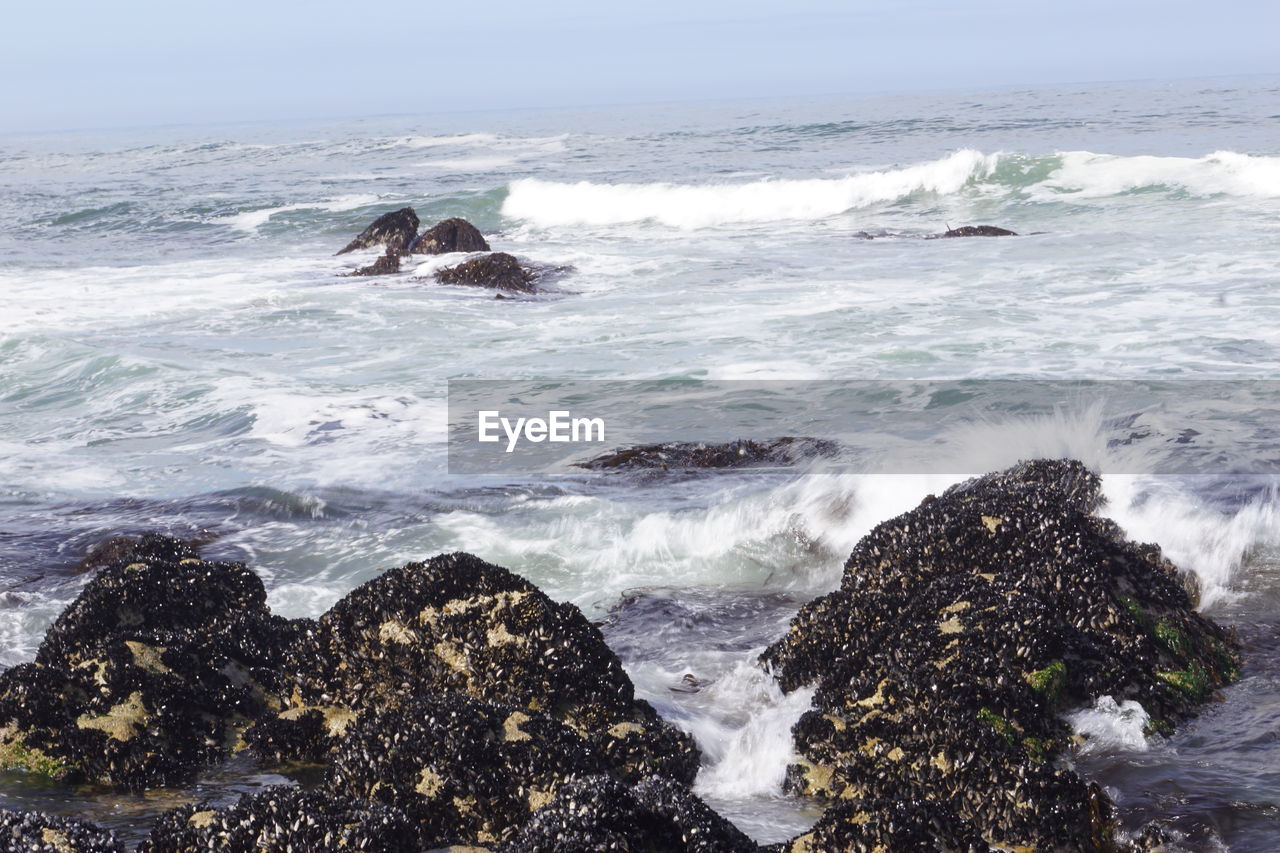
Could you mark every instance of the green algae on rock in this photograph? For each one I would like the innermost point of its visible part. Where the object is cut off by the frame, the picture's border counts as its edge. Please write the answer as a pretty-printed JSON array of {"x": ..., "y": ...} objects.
[{"x": 962, "y": 630}]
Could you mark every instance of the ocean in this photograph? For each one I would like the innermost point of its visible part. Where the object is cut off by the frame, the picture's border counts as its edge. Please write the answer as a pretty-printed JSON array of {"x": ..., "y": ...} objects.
[{"x": 179, "y": 351}]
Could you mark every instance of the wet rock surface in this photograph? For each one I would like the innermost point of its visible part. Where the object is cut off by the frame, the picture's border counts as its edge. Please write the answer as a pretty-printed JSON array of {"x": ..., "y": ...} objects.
[
  {"x": 148, "y": 676},
  {"x": 743, "y": 453},
  {"x": 465, "y": 771},
  {"x": 387, "y": 264},
  {"x": 285, "y": 820},
  {"x": 451, "y": 235},
  {"x": 457, "y": 624},
  {"x": 978, "y": 231},
  {"x": 599, "y": 813},
  {"x": 960, "y": 633},
  {"x": 395, "y": 230},
  {"x": 498, "y": 270},
  {"x": 29, "y": 832}
]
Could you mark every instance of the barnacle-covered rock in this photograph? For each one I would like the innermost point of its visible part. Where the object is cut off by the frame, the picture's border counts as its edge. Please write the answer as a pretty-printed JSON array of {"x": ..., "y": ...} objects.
[
  {"x": 888, "y": 825},
  {"x": 148, "y": 676},
  {"x": 598, "y": 813},
  {"x": 964, "y": 628},
  {"x": 285, "y": 820},
  {"x": 466, "y": 771},
  {"x": 458, "y": 624},
  {"x": 33, "y": 832}
]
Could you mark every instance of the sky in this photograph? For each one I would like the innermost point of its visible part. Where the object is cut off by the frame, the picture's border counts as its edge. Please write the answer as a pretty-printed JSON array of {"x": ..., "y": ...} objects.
[{"x": 79, "y": 64}]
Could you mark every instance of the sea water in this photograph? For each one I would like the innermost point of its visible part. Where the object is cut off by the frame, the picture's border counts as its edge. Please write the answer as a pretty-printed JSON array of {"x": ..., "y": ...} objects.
[{"x": 179, "y": 351}]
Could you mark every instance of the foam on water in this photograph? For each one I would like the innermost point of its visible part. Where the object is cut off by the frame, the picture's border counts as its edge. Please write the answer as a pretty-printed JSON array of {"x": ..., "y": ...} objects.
[
  {"x": 1086, "y": 175},
  {"x": 1109, "y": 725},
  {"x": 251, "y": 220},
  {"x": 549, "y": 203}
]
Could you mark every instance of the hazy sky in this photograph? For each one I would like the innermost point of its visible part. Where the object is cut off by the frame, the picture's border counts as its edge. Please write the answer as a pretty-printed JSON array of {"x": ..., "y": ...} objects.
[{"x": 77, "y": 63}]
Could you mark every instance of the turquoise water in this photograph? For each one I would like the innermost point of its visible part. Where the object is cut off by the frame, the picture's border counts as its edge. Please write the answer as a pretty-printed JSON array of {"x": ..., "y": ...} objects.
[{"x": 178, "y": 350}]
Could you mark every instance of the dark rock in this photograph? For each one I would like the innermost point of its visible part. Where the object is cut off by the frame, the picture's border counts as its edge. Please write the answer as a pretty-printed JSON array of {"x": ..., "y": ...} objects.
[
  {"x": 148, "y": 676},
  {"x": 395, "y": 230},
  {"x": 285, "y": 820},
  {"x": 465, "y": 771},
  {"x": 32, "y": 832},
  {"x": 888, "y": 825},
  {"x": 978, "y": 231},
  {"x": 130, "y": 549},
  {"x": 743, "y": 453},
  {"x": 386, "y": 265},
  {"x": 598, "y": 813},
  {"x": 498, "y": 270},
  {"x": 964, "y": 628},
  {"x": 457, "y": 624},
  {"x": 451, "y": 235}
]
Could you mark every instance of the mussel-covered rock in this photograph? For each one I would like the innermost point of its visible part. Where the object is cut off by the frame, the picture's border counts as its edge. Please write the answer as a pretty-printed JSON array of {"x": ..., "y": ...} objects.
[
  {"x": 457, "y": 624},
  {"x": 978, "y": 231},
  {"x": 387, "y": 264},
  {"x": 466, "y": 771},
  {"x": 285, "y": 820},
  {"x": 888, "y": 825},
  {"x": 498, "y": 270},
  {"x": 395, "y": 230},
  {"x": 32, "y": 832},
  {"x": 598, "y": 813},
  {"x": 451, "y": 235},
  {"x": 743, "y": 453},
  {"x": 148, "y": 676},
  {"x": 964, "y": 628},
  {"x": 133, "y": 549}
]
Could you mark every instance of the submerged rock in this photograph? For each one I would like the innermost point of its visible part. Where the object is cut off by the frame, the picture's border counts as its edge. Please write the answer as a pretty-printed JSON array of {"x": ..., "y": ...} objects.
[
  {"x": 465, "y": 771},
  {"x": 451, "y": 235},
  {"x": 978, "y": 231},
  {"x": 457, "y": 624},
  {"x": 285, "y": 820},
  {"x": 148, "y": 676},
  {"x": 387, "y": 264},
  {"x": 32, "y": 832},
  {"x": 598, "y": 813},
  {"x": 743, "y": 453},
  {"x": 962, "y": 630},
  {"x": 395, "y": 230}
]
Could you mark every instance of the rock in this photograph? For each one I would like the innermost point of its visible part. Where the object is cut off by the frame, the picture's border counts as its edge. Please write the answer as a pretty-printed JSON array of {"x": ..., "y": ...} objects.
[
  {"x": 148, "y": 676},
  {"x": 451, "y": 235},
  {"x": 465, "y": 771},
  {"x": 129, "y": 549},
  {"x": 498, "y": 270},
  {"x": 978, "y": 231},
  {"x": 598, "y": 813},
  {"x": 284, "y": 819},
  {"x": 888, "y": 825},
  {"x": 964, "y": 628},
  {"x": 32, "y": 832},
  {"x": 387, "y": 264},
  {"x": 743, "y": 453},
  {"x": 395, "y": 230},
  {"x": 457, "y": 624}
]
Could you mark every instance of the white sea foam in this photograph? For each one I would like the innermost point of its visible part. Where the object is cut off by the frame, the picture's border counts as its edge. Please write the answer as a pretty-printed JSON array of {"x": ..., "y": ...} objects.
[
  {"x": 747, "y": 745},
  {"x": 251, "y": 220},
  {"x": 1111, "y": 726},
  {"x": 1084, "y": 174},
  {"x": 548, "y": 203}
]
